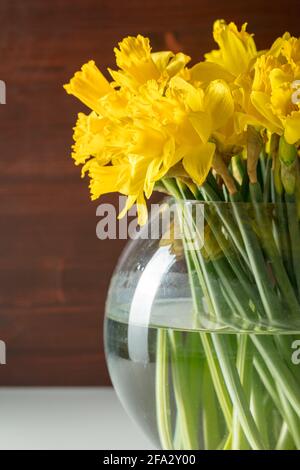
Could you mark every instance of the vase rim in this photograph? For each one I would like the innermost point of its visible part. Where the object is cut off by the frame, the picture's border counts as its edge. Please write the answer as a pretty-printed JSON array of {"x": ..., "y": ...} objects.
[{"x": 230, "y": 203}]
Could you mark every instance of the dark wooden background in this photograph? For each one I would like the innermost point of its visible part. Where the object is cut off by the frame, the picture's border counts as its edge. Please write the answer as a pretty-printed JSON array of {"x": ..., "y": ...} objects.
[{"x": 54, "y": 272}]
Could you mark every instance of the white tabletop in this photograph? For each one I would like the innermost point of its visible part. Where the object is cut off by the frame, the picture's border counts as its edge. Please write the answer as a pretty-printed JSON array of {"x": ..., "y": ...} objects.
[{"x": 66, "y": 419}]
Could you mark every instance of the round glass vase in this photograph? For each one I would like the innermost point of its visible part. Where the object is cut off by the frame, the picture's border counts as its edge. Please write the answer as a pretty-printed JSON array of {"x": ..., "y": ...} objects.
[{"x": 202, "y": 327}]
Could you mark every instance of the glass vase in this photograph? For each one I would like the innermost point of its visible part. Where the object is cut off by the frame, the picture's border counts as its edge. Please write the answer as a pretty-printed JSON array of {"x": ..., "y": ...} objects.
[{"x": 202, "y": 328}]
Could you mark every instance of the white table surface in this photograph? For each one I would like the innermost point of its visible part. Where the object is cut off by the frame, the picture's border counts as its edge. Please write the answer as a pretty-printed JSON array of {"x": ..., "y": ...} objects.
[{"x": 66, "y": 418}]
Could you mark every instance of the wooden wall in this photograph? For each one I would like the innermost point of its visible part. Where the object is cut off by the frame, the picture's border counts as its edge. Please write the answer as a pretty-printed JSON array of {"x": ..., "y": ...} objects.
[{"x": 53, "y": 271}]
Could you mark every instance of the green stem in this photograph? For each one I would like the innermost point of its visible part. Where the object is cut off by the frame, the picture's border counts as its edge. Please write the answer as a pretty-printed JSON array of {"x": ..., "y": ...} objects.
[
  {"x": 257, "y": 262},
  {"x": 285, "y": 440},
  {"x": 278, "y": 369},
  {"x": 258, "y": 405},
  {"x": 291, "y": 418},
  {"x": 227, "y": 377},
  {"x": 185, "y": 410},
  {"x": 228, "y": 222},
  {"x": 236, "y": 393},
  {"x": 211, "y": 420},
  {"x": 163, "y": 410},
  {"x": 294, "y": 234},
  {"x": 284, "y": 240},
  {"x": 244, "y": 367},
  {"x": 264, "y": 224},
  {"x": 217, "y": 379},
  {"x": 215, "y": 371}
]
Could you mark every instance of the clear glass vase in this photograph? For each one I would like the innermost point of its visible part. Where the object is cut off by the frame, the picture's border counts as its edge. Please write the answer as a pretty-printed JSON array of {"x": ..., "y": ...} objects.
[{"x": 202, "y": 328}]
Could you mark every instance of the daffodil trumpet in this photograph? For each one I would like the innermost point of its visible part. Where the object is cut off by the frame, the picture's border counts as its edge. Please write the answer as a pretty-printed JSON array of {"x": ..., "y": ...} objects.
[{"x": 224, "y": 132}]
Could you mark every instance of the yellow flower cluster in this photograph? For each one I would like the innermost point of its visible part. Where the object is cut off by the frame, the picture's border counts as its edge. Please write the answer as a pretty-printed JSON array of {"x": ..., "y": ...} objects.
[{"x": 157, "y": 112}]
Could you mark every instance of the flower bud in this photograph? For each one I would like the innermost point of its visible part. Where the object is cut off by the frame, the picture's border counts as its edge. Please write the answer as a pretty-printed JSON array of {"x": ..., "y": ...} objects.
[{"x": 288, "y": 160}]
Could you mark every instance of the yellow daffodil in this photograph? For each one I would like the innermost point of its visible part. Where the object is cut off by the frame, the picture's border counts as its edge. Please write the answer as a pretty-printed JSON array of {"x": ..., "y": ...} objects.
[
  {"x": 137, "y": 64},
  {"x": 89, "y": 85},
  {"x": 232, "y": 64},
  {"x": 127, "y": 143},
  {"x": 143, "y": 157},
  {"x": 89, "y": 138},
  {"x": 272, "y": 88},
  {"x": 146, "y": 123},
  {"x": 236, "y": 48},
  {"x": 236, "y": 53}
]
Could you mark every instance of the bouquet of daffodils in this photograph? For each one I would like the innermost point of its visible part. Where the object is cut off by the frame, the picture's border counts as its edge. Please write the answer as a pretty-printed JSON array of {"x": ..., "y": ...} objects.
[
  {"x": 159, "y": 118},
  {"x": 225, "y": 131}
]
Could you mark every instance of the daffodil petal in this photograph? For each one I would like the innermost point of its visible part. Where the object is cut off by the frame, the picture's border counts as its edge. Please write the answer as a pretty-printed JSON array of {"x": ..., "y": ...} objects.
[
  {"x": 129, "y": 203},
  {"x": 202, "y": 123},
  {"x": 261, "y": 101},
  {"x": 134, "y": 57},
  {"x": 237, "y": 48},
  {"x": 242, "y": 120},
  {"x": 177, "y": 63},
  {"x": 219, "y": 103},
  {"x": 162, "y": 59},
  {"x": 278, "y": 78},
  {"x": 207, "y": 71},
  {"x": 193, "y": 96},
  {"x": 89, "y": 85},
  {"x": 142, "y": 209},
  {"x": 89, "y": 138},
  {"x": 198, "y": 161}
]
